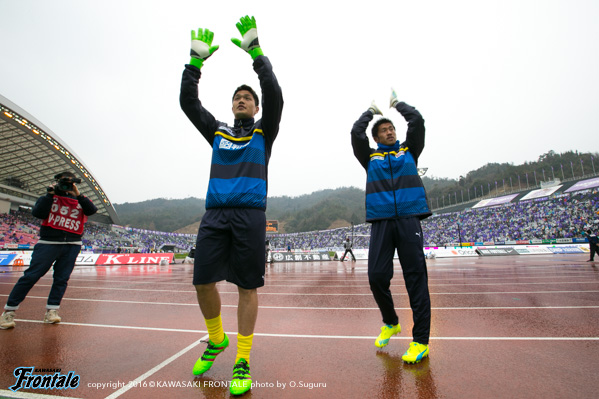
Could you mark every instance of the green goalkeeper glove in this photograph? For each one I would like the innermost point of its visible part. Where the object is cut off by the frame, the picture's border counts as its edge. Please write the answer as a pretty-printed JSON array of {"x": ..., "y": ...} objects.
[
  {"x": 374, "y": 109},
  {"x": 201, "y": 47},
  {"x": 249, "y": 35},
  {"x": 393, "y": 100}
]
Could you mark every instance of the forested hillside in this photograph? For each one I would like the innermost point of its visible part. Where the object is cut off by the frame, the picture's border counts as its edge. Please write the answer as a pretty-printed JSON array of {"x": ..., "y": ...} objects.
[
  {"x": 161, "y": 214},
  {"x": 315, "y": 211},
  {"x": 497, "y": 178}
]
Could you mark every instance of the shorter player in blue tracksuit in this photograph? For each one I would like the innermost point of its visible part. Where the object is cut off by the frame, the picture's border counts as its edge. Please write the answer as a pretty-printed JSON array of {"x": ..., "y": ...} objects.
[{"x": 395, "y": 203}]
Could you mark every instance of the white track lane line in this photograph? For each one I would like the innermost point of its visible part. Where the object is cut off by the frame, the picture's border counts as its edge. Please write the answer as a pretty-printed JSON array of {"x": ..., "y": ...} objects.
[
  {"x": 148, "y": 373},
  {"x": 344, "y": 308},
  {"x": 317, "y": 336},
  {"x": 320, "y": 286},
  {"x": 397, "y": 308}
]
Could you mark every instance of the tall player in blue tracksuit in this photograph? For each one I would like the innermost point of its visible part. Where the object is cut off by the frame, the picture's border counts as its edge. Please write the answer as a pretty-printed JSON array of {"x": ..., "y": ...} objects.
[
  {"x": 395, "y": 204},
  {"x": 230, "y": 242}
]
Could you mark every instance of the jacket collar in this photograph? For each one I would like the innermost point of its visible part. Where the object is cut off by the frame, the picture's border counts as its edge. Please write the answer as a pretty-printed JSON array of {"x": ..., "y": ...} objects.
[
  {"x": 244, "y": 123},
  {"x": 389, "y": 148}
]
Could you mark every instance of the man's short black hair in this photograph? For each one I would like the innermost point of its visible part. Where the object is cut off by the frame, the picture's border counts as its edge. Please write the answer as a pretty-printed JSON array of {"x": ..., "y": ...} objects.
[
  {"x": 375, "y": 128},
  {"x": 248, "y": 88},
  {"x": 64, "y": 174}
]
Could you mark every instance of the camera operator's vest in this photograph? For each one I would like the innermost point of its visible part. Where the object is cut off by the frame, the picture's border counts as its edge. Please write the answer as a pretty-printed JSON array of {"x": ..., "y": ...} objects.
[
  {"x": 66, "y": 214},
  {"x": 394, "y": 188},
  {"x": 238, "y": 172}
]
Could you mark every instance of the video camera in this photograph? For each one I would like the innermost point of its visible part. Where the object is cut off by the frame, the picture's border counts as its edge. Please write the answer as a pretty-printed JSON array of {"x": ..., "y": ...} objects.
[{"x": 65, "y": 184}]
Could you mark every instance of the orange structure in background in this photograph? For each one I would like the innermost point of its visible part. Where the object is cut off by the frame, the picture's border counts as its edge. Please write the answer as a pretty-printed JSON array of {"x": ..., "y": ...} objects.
[{"x": 272, "y": 226}]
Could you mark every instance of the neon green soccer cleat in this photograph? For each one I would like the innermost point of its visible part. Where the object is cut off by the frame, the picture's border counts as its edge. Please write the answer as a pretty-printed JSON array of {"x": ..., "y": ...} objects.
[
  {"x": 242, "y": 380},
  {"x": 205, "y": 362},
  {"x": 415, "y": 353},
  {"x": 387, "y": 331}
]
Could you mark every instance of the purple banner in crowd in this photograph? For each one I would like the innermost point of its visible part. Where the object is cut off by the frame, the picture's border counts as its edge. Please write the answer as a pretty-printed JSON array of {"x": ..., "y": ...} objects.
[
  {"x": 495, "y": 201},
  {"x": 543, "y": 192},
  {"x": 584, "y": 185}
]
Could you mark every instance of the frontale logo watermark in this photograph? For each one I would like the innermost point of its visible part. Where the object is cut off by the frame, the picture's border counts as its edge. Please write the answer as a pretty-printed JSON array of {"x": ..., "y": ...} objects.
[{"x": 26, "y": 379}]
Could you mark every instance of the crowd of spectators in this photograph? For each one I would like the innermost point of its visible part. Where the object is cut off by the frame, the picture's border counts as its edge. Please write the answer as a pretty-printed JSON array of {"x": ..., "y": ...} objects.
[
  {"x": 560, "y": 216},
  {"x": 330, "y": 240},
  {"x": 18, "y": 228},
  {"x": 117, "y": 239}
]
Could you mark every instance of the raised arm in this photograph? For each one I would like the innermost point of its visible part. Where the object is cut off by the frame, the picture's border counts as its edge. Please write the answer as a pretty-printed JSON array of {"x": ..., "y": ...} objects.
[
  {"x": 415, "y": 134},
  {"x": 359, "y": 138},
  {"x": 201, "y": 49},
  {"x": 272, "y": 96}
]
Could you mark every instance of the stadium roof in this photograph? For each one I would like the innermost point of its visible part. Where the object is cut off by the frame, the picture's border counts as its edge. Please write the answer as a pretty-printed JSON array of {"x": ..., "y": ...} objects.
[{"x": 30, "y": 156}]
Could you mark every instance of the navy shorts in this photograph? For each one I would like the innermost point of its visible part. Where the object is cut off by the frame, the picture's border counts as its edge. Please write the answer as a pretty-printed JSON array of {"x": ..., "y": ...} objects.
[{"x": 230, "y": 246}]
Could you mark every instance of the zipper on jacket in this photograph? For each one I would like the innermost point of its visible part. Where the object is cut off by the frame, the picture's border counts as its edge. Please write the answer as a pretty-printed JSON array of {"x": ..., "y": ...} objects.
[{"x": 392, "y": 187}]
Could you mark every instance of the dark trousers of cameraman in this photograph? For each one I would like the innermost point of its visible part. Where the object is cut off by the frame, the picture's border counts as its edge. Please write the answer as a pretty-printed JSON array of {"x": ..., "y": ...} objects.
[{"x": 63, "y": 256}]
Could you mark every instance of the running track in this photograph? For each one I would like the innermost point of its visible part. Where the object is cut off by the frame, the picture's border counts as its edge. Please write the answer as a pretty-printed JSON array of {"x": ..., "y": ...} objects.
[{"x": 502, "y": 327}]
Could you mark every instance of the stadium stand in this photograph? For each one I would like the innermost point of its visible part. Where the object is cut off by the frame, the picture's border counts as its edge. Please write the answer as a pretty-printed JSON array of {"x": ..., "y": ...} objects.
[
  {"x": 563, "y": 215},
  {"x": 31, "y": 155},
  {"x": 116, "y": 239},
  {"x": 20, "y": 228}
]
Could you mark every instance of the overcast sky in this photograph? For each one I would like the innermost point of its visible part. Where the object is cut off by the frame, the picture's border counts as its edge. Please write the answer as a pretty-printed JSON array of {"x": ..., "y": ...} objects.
[{"x": 496, "y": 81}]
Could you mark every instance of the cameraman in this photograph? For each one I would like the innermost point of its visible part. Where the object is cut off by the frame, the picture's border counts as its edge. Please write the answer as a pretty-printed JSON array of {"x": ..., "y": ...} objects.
[{"x": 64, "y": 212}]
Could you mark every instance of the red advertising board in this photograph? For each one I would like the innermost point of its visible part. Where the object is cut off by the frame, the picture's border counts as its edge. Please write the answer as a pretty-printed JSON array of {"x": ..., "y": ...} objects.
[{"x": 133, "y": 259}]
